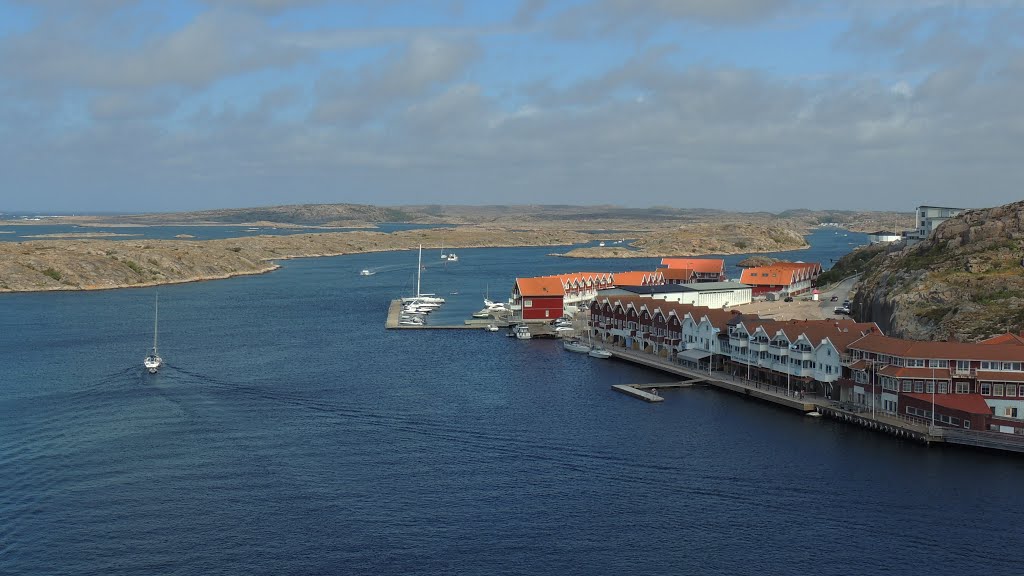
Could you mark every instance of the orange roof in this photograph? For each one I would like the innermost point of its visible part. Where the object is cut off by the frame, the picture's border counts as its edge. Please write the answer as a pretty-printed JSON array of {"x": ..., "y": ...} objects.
[
  {"x": 996, "y": 376},
  {"x": 631, "y": 278},
  {"x": 684, "y": 274},
  {"x": 541, "y": 286},
  {"x": 768, "y": 276},
  {"x": 701, "y": 265},
  {"x": 941, "y": 350},
  {"x": 970, "y": 403},
  {"x": 1008, "y": 338}
]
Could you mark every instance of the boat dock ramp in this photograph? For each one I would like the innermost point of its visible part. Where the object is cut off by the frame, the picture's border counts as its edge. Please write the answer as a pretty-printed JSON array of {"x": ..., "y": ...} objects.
[{"x": 649, "y": 392}]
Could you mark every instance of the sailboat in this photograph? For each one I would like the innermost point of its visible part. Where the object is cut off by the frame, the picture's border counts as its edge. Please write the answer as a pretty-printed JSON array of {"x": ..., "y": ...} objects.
[
  {"x": 420, "y": 297},
  {"x": 596, "y": 351},
  {"x": 153, "y": 362}
]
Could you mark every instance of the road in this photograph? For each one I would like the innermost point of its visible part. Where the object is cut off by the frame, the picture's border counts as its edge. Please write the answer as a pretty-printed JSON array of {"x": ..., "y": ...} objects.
[{"x": 801, "y": 309}]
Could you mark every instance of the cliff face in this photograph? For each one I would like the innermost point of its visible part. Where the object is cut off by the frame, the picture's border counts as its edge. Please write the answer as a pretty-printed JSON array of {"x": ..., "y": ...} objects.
[{"x": 965, "y": 282}]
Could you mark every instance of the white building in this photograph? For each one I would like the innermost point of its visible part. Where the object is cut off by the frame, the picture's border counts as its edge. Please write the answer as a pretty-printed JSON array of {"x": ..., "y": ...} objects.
[
  {"x": 707, "y": 294},
  {"x": 928, "y": 219}
]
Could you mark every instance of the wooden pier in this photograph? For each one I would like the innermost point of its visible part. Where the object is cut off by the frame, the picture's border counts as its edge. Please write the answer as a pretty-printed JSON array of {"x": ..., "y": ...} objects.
[
  {"x": 632, "y": 390},
  {"x": 395, "y": 312}
]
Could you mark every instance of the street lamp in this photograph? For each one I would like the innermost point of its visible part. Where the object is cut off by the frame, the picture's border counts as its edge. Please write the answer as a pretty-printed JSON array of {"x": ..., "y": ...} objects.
[{"x": 932, "y": 362}]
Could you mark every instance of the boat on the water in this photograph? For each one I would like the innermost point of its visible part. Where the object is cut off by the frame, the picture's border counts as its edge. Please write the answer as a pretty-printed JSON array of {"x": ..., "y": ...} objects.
[
  {"x": 421, "y": 298},
  {"x": 491, "y": 328},
  {"x": 153, "y": 362},
  {"x": 366, "y": 272},
  {"x": 522, "y": 332},
  {"x": 482, "y": 314},
  {"x": 599, "y": 353},
  {"x": 574, "y": 345}
]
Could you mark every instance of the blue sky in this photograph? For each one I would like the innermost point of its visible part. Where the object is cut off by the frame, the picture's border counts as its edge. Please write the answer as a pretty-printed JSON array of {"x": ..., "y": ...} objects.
[{"x": 146, "y": 105}]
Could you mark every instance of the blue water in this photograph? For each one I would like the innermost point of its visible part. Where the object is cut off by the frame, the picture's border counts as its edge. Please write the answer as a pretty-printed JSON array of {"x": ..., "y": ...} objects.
[
  {"x": 291, "y": 434},
  {"x": 25, "y": 233}
]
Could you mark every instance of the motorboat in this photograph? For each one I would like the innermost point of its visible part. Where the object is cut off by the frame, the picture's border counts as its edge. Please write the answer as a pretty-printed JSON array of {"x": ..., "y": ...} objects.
[
  {"x": 153, "y": 362},
  {"x": 599, "y": 353},
  {"x": 491, "y": 328},
  {"x": 522, "y": 332},
  {"x": 411, "y": 321},
  {"x": 495, "y": 306},
  {"x": 574, "y": 345},
  {"x": 366, "y": 272},
  {"x": 564, "y": 329},
  {"x": 601, "y": 244},
  {"x": 482, "y": 314}
]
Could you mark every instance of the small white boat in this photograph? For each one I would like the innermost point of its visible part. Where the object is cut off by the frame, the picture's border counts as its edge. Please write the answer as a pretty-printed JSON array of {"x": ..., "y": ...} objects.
[
  {"x": 452, "y": 258},
  {"x": 482, "y": 314},
  {"x": 153, "y": 362},
  {"x": 814, "y": 414},
  {"x": 601, "y": 243},
  {"x": 491, "y": 328},
  {"x": 522, "y": 332},
  {"x": 411, "y": 322},
  {"x": 573, "y": 345},
  {"x": 366, "y": 272},
  {"x": 564, "y": 329},
  {"x": 599, "y": 353}
]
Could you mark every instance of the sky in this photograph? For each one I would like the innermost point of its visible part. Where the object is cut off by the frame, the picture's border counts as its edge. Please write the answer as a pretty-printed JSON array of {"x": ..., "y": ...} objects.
[{"x": 147, "y": 105}]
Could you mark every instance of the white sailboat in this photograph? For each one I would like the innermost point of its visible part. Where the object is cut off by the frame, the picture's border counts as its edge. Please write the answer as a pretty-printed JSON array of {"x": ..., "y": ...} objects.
[
  {"x": 420, "y": 297},
  {"x": 153, "y": 362},
  {"x": 596, "y": 351}
]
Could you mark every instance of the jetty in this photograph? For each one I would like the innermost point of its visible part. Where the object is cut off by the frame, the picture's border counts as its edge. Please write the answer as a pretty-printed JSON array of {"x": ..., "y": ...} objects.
[{"x": 395, "y": 312}]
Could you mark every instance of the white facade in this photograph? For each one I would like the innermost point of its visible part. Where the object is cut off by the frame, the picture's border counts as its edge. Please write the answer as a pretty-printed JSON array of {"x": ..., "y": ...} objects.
[
  {"x": 884, "y": 237},
  {"x": 929, "y": 217}
]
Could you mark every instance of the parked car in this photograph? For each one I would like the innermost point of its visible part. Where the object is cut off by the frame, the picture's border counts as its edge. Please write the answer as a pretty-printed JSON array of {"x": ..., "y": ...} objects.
[
  {"x": 787, "y": 299},
  {"x": 842, "y": 310},
  {"x": 835, "y": 298}
]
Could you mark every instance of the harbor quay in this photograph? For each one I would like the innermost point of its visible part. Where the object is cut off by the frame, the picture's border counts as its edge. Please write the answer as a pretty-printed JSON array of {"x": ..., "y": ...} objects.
[{"x": 908, "y": 428}]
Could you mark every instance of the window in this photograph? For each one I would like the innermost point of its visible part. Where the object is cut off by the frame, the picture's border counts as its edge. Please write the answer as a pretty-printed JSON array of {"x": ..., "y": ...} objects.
[
  {"x": 527, "y": 303},
  {"x": 986, "y": 388},
  {"x": 967, "y": 423},
  {"x": 963, "y": 365},
  {"x": 918, "y": 386},
  {"x": 1007, "y": 365},
  {"x": 997, "y": 389},
  {"x": 1011, "y": 390},
  {"x": 930, "y": 387},
  {"x": 962, "y": 388},
  {"x": 943, "y": 388},
  {"x": 907, "y": 385},
  {"x": 1010, "y": 412}
]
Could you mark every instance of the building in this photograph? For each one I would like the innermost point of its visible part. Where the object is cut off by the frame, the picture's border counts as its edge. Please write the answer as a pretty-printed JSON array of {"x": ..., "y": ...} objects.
[
  {"x": 891, "y": 374},
  {"x": 700, "y": 269},
  {"x": 928, "y": 219},
  {"x": 548, "y": 297},
  {"x": 883, "y": 237},
  {"x": 790, "y": 278},
  {"x": 803, "y": 354},
  {"x": 707, "y": 294}
]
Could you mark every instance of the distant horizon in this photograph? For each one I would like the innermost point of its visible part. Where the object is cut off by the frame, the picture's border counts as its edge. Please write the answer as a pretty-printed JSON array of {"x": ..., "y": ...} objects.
[{"x": 52, "y": 214}]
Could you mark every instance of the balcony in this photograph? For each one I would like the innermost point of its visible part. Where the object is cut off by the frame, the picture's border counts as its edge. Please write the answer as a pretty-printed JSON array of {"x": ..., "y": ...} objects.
[{"x": 758, "y": 346}]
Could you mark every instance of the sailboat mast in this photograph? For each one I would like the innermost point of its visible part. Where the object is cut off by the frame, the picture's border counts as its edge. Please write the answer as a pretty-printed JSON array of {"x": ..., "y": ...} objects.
[
  {"x": 156, "y": 318},
  {"x": 419, "y": 269}
]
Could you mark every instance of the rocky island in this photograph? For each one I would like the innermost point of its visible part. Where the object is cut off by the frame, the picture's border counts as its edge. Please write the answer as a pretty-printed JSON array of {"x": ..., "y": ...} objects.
[{"x": 93, "y": 263}]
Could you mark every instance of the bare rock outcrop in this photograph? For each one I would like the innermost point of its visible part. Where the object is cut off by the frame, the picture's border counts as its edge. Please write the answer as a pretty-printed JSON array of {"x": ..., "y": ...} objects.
[{"x": 966, "y": 282}]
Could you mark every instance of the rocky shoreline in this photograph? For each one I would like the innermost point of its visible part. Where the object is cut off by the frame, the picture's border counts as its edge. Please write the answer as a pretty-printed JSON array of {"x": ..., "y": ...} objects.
[{"x": 96, "y": 264}]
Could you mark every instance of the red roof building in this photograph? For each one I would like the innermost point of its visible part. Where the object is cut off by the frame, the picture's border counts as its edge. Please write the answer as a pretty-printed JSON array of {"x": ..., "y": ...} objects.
[{"x": 699, "y": 269}]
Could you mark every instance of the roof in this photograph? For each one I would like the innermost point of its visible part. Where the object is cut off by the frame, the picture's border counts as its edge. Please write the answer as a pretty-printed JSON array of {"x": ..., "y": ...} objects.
[
  {"x": 683, "y": 274},
  {"x": 767, "y": 276},
  {"x": 540, "y": 286},
  {"x": 631, "y": 278},
  {"x": 879, "y": 344},
  {"x": 712, "y": 287},
  {"x": 700, "y": 265},
  {"x": 841, "y": 333},
  {"x": 1008, "y": 338},
  {"x": 996, "y": 376},
  {"x": 970, "y": 403}
]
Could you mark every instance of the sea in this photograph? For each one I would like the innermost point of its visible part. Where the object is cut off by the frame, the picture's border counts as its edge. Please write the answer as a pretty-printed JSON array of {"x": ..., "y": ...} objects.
[
  {"x": 290, "y": 433},
  {"x": 12, "y": 231}
]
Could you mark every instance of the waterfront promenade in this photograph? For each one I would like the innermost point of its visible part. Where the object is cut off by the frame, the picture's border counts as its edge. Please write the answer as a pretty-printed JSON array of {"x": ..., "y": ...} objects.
[{"x": 914, "y": 429}]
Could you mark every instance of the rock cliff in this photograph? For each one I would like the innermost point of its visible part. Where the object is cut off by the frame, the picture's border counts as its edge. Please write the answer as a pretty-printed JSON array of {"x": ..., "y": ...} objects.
[{"x": 966, "y": 282}]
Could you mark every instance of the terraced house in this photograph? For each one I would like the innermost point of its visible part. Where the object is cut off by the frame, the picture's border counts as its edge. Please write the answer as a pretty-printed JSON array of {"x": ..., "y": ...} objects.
[
  {"x": 972, "y": 385},
  {"x": 802, "y": 354}
]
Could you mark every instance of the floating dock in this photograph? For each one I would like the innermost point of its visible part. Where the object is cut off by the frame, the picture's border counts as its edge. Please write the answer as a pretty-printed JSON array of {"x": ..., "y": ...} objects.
[
  {"x": 395, "y": 312},
  {"x": 632, "y": 390}
]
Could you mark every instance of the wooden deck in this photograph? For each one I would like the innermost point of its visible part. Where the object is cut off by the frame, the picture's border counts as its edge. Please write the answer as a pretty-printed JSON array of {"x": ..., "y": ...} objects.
[
  {"x": 395, "y": 311},
  {"x": 632, "y": 390}
]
